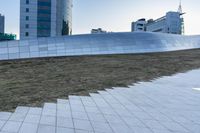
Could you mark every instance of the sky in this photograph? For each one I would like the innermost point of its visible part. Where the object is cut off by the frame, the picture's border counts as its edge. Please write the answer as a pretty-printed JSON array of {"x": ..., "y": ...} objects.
[{"x": 112, "y": 15}]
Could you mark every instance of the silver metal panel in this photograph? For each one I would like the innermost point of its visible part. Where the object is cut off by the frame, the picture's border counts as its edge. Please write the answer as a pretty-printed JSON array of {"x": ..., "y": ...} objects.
[{"x": 97, "y": 44}]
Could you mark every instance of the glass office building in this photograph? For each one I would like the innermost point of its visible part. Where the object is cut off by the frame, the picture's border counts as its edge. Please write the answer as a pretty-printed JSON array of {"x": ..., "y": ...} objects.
[
  {"x": 45, "y": 18},
  {"x": 2, "y": 23}
]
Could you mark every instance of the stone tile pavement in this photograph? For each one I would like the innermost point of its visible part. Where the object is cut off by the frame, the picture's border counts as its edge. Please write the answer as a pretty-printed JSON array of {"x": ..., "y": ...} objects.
[{"x": 165, "y": 105}]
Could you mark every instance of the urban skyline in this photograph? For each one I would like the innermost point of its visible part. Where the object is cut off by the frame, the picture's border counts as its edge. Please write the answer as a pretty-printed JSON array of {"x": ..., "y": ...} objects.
[{"x": 111, "y": 15}]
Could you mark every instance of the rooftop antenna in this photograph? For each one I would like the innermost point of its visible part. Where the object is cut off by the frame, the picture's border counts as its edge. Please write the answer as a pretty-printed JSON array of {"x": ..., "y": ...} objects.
[
  {"x": 180, "y": 11},
  {"x": 180, "y": 8}
]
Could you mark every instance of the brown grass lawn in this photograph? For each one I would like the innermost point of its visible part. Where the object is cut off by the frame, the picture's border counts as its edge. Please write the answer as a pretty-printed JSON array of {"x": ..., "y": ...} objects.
[{"x": 32, "y": 82}]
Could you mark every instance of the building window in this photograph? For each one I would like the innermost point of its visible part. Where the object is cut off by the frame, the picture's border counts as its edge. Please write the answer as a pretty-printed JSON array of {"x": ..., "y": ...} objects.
[
  {"x": 27, "y": 9},
  {"x": 27, "y": 17},
  {"x": 26, "y": 34},
  {"x": 27, "y": 26},
  {"x": 27, "y": 1}
]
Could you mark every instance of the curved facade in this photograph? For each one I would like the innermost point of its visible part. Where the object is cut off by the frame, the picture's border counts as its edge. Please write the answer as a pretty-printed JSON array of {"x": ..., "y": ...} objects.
[
  {"x": 96, "y": 44},
  {"x": 64, "y": 17}
]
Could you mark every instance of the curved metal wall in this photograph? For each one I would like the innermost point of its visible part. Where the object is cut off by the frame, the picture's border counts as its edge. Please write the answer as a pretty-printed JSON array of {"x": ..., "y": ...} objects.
[{"x": 95, "y": 44}]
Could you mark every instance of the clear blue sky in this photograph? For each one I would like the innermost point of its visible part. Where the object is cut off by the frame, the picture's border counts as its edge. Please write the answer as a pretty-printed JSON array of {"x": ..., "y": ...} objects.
[{"x": 112, "y": 15}]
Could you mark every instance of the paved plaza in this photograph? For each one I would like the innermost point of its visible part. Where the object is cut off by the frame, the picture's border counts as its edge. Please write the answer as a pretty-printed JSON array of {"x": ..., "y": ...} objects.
[{"x": 170, "y": 104}]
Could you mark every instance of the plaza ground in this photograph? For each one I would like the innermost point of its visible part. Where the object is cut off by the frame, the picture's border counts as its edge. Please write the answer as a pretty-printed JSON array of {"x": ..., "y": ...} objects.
[{"x": 31, "y": 82}]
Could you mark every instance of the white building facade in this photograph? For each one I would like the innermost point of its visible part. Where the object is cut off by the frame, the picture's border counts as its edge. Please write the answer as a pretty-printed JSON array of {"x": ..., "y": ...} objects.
[
  {"x": 139, "y": 25},
  {"x": 45, "y": 18},
  {"x": 172, "y": 23},
  {"x": 2, "y": 23}
]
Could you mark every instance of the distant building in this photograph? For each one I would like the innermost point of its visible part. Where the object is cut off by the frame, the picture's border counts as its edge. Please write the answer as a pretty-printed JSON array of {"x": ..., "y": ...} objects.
[
  {"x": 98, "y": 31},
  {"x": 2, "y": 23},
  {"x": 3, "y": 35},
  {"x": 172, "y": 23},
  {"x": 45, "y": 18},
  {"x": 139, "y": 25}
]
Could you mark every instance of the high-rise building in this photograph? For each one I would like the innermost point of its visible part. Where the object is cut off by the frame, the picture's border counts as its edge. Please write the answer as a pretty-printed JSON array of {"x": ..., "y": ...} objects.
[
  {"x": 45, "y": 18},
  {"x": 2, "y": 23}
]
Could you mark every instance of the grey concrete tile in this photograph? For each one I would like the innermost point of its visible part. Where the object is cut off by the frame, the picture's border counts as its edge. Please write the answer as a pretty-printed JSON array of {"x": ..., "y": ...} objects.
[
  {"x": 64, "y": 130},
  {"x": 180, "y": 119},
  {"x": 96, "y": 117},
  {"x": 32, "y": 119},
  {"x": 107, "y": 111},
  {"x": 160, "y": 117},
  {"x": 113, "y": 119},
  {"x": 141, "y": 130},
  {"x": 162, "y": 131},
  {"x": 48, "y": 120},
  {"x": 2, "y": 122},
  {"x": 174, "y": 127},
  {"x": 101, "y": 103},
  {"x": 103, "y": 93},
  {"x": 11, "y": 126},
  {"x": 132, "y": 121},
  {"x": 17, "y": 117},
  {"x": 82, "y": 125},
  {"x": 46, "y": 129},
  {"x": 124, "y": 113},
  {"x": 77, "y": 108},
  {"x": 50, "y": 106},
  {"x": 143, "y": 115},
  {"x": 153, "y": 124},
  {"x": 5, "y": 115},
  {"x": 35, "y": 111},
  {"x": 95, "y": 95},
  {"x": 193, "y": 128},
  {"x": 120, "y": 128},
  {"x": 76, "y": 102},
  {"x": 28, "y": 128},
  {"x": 65, "y": 122},
  {"x": 63, "y": 107},
  {"x": 92, "y": 110},
  {"x": 49, "y": 112},
  {"x": 79, "y": 115},
  {"x": 83, "y": 131},
  {"x": 86, "y": 98},
  {"x": 64, "y": 113},
  {"x": 89, "y": 104},
  {"x": 101, "y": 127},
  {"x": 22, "y": 110}
]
